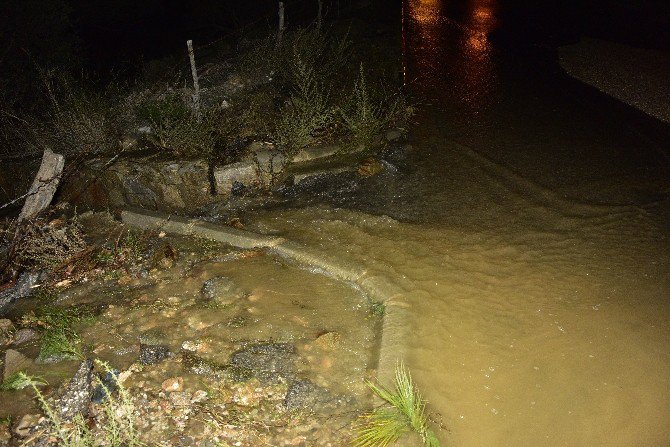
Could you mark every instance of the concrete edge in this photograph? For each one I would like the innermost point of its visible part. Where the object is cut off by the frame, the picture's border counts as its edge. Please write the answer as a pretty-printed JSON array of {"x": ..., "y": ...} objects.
[{"x": 377, "y": 288}]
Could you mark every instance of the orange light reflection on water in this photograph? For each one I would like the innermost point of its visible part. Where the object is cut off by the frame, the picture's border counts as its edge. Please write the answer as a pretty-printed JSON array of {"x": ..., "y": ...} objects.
[{"x": 469, "y": 67}]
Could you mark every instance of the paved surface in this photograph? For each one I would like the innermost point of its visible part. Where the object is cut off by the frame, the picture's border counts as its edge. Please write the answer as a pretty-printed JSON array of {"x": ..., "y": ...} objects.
[{"x": 636, "y": 76}]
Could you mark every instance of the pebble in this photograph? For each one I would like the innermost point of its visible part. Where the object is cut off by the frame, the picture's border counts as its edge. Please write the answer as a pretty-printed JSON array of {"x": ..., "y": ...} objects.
[
  {"x": 26, "y": 424},
  {"x": 23, "y": 336},
  {"x": 173, "y": 384}
]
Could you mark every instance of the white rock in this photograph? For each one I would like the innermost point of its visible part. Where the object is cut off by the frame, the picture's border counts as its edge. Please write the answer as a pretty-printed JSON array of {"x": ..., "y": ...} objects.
[{"x": 244, "y": 172}]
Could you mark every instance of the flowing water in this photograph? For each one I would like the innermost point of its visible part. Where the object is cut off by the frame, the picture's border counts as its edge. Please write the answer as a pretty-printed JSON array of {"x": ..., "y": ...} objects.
[{"x": 530, "y": 232}]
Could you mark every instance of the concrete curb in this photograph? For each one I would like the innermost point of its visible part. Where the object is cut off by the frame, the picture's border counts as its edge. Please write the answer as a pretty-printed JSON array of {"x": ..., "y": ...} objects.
[{"x": 378, "y": 288}]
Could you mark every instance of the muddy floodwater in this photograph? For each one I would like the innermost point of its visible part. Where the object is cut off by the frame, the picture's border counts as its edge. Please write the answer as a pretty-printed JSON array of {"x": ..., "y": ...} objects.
[{"x": 530, "y": 231}]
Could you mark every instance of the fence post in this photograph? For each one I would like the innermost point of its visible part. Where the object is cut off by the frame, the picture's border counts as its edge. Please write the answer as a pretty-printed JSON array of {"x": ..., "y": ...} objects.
[
  {"x": 44, "y": 185},
  {"x": 196, "y": 86},
  {"x": 280, "y": 32},
  {"x": 319, "y": 17}
]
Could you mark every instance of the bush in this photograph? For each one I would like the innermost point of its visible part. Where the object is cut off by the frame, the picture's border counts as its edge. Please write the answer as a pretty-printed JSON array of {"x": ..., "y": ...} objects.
[
  {"x": 59, "y": 339},
  {"x": 78, "y": 120},
  {"x": 175, "y": 127},
  {"x": 366, "y": 114},
  {"x": 307, "y": 113}
]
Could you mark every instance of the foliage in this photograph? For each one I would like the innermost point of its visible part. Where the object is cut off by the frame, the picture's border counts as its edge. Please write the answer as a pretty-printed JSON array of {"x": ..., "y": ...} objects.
[
  {"x": 377, "y": 309},
  {"x": 176, "y": 128},
  {"x": 307, "y": 113},
  {"x": 59, "y": 338},
  {"x": 78, "y": 119},
  {"x": 127, "y": 249},
  {"x": 323, "y": 52},
  {"x": 117, "y": 425},
  {"x": 365, "y": 116},
  {"x": 19, "y": 381},
  {"x": 405, "y": 413}
]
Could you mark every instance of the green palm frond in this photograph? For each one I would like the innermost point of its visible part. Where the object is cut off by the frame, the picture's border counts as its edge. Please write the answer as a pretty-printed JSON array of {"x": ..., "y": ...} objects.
[{"x": 385, "y": 425}]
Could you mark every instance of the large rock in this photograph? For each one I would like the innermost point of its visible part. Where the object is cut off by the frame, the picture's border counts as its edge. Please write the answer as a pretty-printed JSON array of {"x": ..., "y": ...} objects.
[
  {"x": 243, "y": 173},
  {"x": 315, "y": 152},
  {"x": 14, "y": 362},
  {"x": 268, "y": 362},
  {"x": 76, "y": 397},
  {"x": 152, "y": 354},
  {"x": 303, "y": 394},
  {"x": 149, "y": 182},
  {"x": 221, "y": 290},
  {"x": 270, "y": 163},
  {"x": 21, "y": 289}
]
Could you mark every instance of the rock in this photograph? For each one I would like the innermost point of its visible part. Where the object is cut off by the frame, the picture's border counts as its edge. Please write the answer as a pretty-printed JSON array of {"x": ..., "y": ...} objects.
[
  {"x": 27, "y": 424},
  {"x": 222, "y": 290},
  {"x": 6, "y": 325},
  {"x": 328, "y": 341},
  {"x": 76, "y": 398},
  {"x": 152, "y": 354},
  {"x": 303, "y": 394},
  {"x": 202, "y": 367},
  {"x": 148, "y": 182},
  {"x": 180, "y": 398},
  {"x": 268, "y": 362},
  {"x": 15, "y": 362},
  {"x": 6, "y": 329},
  {"x": 315, "y": 152},
  {"x": 199, "y": 396},
  {"x": 164, "y": 257},
  {"x": 21, "y": 289},
  {"x": 191, "y": 345},
  {"x": 23, "y": 335},
  {"x": 244, "y": 172},
  {"x": 270, "y": 163},
  {"x": 369, "y": 167},
  {"x": 173, "y": 384},
  {"x": 108, "y": 385},
  {"x": 5, "y": 434}
]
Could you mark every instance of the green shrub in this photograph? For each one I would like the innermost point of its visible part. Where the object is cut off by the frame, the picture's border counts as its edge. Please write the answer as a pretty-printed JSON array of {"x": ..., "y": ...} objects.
[
  {"x": 307, "y": 114},
  {"x": 174, "y": 126},
  {"x": 367, "y": 113}
]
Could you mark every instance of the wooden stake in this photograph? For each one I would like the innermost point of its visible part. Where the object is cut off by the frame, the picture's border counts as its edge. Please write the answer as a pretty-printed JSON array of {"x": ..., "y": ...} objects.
[
  {"x": 196, "y": 86},
  {"x": 319, "y": 17},
  {"x": 44, "y": 185}
]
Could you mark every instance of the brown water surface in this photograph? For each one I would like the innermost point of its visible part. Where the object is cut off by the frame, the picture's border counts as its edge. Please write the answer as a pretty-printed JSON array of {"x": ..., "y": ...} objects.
[{"x": 530, "y": 231}]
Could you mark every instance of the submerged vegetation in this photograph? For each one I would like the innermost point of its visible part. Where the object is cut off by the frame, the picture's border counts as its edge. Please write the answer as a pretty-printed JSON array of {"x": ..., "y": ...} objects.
[
  {"x": 403, "y": 413},
  {"x": 60, "y": 340}
]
